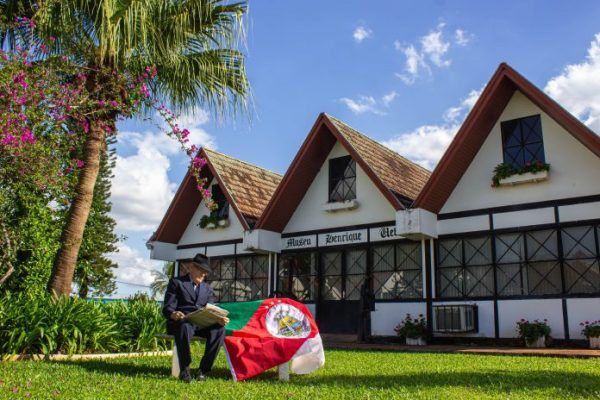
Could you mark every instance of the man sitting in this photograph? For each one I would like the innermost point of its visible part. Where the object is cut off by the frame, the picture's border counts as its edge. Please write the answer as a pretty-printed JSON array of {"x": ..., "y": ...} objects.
[{"x": 186, "y": 294}]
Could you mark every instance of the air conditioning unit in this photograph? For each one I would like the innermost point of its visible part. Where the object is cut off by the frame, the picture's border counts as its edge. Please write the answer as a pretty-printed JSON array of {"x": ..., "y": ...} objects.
[{"x": 455, "y": 318}]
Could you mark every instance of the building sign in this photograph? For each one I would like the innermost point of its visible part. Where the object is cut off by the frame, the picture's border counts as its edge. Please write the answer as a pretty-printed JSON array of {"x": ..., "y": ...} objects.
[
  {"x": 299, "y": 242},
  {"x": 341, "y": 238},
  {"x": 384, "y": 233}
]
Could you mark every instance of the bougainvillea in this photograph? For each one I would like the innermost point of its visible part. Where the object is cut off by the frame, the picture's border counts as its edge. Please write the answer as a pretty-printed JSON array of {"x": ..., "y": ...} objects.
[{"x": 47, "y": 109}]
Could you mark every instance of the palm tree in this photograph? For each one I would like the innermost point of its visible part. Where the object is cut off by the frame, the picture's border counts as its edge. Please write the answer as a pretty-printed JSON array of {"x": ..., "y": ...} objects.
[
  {"x": 161, "y": 279},
  {"x": 192, "y": 43}
]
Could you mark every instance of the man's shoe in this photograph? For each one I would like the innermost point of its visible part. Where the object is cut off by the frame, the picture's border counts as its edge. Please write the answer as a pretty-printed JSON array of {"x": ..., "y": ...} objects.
[
  {"x": 185, "y": 375},
  {"x": 200, "y": 376}
]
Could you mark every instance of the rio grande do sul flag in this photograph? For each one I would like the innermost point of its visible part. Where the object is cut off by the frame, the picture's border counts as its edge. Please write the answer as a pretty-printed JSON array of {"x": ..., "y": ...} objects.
[{"x": 264, "y": 334}]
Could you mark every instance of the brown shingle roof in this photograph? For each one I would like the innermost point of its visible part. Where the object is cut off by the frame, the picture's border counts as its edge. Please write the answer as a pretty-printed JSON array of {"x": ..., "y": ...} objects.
[
  {"x": 399, "y": 174},
  {"x": 249, "y": 186}
]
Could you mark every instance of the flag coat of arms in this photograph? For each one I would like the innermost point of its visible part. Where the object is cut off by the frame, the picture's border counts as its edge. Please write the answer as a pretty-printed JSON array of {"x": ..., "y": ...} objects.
[{"x": 267, "y": 333}]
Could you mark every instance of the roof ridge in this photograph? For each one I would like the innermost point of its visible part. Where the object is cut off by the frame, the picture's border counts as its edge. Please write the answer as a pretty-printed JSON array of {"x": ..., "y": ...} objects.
[
  {"x": 378, "y": 143},
  {"x": 242, "y": 161}
]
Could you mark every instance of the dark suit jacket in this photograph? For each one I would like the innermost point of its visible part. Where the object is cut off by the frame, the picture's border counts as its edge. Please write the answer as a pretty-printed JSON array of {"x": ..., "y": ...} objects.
[{"x": 180, "y": 296}]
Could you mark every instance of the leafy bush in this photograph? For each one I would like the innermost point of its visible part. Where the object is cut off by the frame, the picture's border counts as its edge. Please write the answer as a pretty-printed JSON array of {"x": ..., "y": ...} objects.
[
  {"x": 590, "y": 329},
  {"x": 532, "y": 331},
  {"x": 412, "y": 327},
  {"x": 33, "y": 324}
]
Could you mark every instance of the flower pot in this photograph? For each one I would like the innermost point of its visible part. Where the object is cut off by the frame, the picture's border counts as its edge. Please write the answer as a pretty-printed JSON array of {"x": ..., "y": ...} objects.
[
  {"x": 415, "y": 341},
  {"x": 210, "y": 225},
  {"x": 537, "y": 343},
  {"x": 594, "y": 342},
  {"x": 223, "y": 223}
]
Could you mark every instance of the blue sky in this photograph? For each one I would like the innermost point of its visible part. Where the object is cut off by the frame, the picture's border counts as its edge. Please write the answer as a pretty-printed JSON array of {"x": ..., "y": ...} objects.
[{"x": 405, "y": 73}]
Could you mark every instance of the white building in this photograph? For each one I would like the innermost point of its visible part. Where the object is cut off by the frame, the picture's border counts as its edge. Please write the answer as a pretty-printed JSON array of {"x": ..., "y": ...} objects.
[{"x": 472, "y": 253}]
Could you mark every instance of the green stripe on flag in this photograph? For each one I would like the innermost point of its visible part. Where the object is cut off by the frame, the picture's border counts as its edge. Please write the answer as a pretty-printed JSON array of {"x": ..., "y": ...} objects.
[{"x": 239, "y": 314}]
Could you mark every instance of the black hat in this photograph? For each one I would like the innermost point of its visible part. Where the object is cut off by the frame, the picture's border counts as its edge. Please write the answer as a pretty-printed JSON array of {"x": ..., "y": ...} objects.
[{"x": 201, "y": 261}]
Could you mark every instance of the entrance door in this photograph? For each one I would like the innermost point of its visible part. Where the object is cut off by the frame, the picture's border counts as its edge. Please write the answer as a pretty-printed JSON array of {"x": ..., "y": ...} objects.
[{"x": 342, "y": 274}]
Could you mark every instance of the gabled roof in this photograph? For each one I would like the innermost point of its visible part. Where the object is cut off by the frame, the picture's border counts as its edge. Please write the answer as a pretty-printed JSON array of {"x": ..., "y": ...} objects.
[
  {"x": 478, "y": 125},
  {"x": 247, "y": 188},
  {"x": 397, "y": 178}
]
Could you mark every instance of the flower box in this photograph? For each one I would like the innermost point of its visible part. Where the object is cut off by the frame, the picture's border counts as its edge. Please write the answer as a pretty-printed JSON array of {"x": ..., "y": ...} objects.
[
  {"x": 340, "y": 205},
  {"x": 537, "y": 343},
  {"x": 415, "y": 341},
  {"x": 594, "y": 342},
  {"x": 527, "y": 177}
]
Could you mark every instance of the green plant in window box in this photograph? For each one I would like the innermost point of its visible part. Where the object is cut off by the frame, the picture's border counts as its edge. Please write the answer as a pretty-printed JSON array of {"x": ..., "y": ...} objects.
[
  {"x": 505, "y": 170},
  {"x": 209, "y": 221},
  {"x": 413, "y": 328},
  {"x": 533, "y": 332}
]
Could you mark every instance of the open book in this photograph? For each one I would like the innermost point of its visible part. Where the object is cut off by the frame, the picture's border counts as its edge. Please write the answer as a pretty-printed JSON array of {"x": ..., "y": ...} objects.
[{"x": 206, "y": 316}]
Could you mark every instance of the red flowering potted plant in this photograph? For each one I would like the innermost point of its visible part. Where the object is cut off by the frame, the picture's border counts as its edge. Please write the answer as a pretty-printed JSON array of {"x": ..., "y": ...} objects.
[
  {"x": 533, "y": 333},
  {"x": 414, "y": 330},
  {"x": 591, "y": 330}
]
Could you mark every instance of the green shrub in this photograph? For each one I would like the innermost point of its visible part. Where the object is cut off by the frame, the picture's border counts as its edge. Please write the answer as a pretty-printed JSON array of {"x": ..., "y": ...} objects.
[{"x": 33, "y": 324}]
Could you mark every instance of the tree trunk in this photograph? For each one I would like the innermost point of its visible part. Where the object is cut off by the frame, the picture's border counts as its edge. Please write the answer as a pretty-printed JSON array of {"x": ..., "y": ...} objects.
[{"x": 72, "y": 234}]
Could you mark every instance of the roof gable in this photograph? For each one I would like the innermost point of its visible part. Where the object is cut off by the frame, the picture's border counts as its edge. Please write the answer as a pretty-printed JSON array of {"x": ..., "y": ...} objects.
[
  {"x": 381, "y": 165},
  {"x": 478, "y": 125},
  {"x": 247, "y": 188}
]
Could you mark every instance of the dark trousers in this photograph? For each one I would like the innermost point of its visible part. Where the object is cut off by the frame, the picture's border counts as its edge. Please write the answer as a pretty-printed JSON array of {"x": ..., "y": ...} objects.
[{"x": 184, "y": 331}]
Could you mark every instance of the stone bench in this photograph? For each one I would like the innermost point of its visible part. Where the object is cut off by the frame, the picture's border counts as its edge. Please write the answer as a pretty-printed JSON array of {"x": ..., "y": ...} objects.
[{"x": 283, "y": 369}]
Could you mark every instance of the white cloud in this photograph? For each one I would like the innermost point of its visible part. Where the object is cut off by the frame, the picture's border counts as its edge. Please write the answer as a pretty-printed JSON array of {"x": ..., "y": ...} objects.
[
  {"x": 388, "y": 98},
  {"x": 462, "y": 37},
  {"x": 577, "y": 88},
  {"x": 361, "y": 33},
  {"x": 133, "y": 267},
  {"x": 426, "y": 144},
  {"x": 141, "y": 189},
  {"x": 433, "y": 50},
  {"x": 364, "y": 104},
  {"x": 435, "y": 47}
]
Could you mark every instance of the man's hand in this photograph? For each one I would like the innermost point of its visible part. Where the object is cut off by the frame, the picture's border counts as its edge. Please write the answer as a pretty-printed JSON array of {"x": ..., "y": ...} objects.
[
  {"x": 223, "y": 321},
  {"x": 177, "y": 315}
]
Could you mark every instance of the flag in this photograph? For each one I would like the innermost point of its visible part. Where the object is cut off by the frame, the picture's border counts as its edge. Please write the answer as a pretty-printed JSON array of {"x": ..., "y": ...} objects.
[{"x": 267, "y": 333}]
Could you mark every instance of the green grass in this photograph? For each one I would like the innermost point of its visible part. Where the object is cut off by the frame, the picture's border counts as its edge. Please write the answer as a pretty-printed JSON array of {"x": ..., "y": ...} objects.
[{"x": 346, "y": 375}]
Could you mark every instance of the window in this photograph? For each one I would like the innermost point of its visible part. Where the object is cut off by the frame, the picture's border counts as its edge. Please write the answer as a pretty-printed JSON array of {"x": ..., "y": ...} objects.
[
  {"x": 241, "y": 278},
  {"x": 581, "y": 259},
  {"x": 465, "y": 267},
  {"x": 522, "y": 141},
  {"x": 528, "y": 263},
  {"x": 342, "y": 179},
  {"x": 297, "y": 275},
  {"x": 397, "y": 272},
  {"x": 221, "y": 201}
]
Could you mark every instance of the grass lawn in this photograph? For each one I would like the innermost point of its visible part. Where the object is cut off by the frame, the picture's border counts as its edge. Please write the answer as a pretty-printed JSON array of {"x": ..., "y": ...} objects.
[{"x": 346, "y": 375}]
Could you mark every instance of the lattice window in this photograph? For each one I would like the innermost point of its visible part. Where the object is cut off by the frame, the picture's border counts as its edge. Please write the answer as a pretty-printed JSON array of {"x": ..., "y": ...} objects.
[
  {"x": 297, "y": 275},
  {"x": 223, "y": 279},
  {"x": 397, "y": 271},
  {"x": 331, "y": 264},
  {"x": 581, "y": 261},
  {"x": 342, "y": 179},
  {"x": 251, "y": 282},
  {"x": 465, "y": 267},
  {"x": 356, "y": 268},
  {"x": 522, "y": 141}
]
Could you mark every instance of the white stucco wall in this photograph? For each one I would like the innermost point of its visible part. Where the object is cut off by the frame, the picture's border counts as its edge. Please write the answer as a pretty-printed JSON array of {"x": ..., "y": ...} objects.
[
  {"x": 580, "y": 310},
  {"x": 387, "y": 315},
  {"x": 194, "y": 234},
  {"x": 574, "y": 168},
  {"x": 511, "y": 311},
  {"x": 373, "y": 206}
]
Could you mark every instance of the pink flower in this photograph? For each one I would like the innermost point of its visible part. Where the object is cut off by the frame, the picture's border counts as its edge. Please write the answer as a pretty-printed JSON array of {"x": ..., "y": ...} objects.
[
  {"x": 114, "y": 103},
  {"x": 145, "y": 90},
  {"x": 79, "y": 163},
  {"x": 101, "y": 103},
  {"x": 199, "y": 162},
  {"x": 27, "y": 136},
  {"x": 8, "y": 140}
]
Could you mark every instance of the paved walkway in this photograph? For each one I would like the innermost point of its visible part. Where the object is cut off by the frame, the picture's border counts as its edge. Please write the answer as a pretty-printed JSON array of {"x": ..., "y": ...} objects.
[{"x": 442, "y": 348}]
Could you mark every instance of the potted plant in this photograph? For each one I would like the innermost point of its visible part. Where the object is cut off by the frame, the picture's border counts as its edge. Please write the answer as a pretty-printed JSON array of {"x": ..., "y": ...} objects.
[
  {"x": 532, "y": 171},
  {"x": 414, "y": 330},
  {"x": 591, "y": 330},
  {"x": 533, "y": 333},
  {"x": 209, "y": 221}
]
